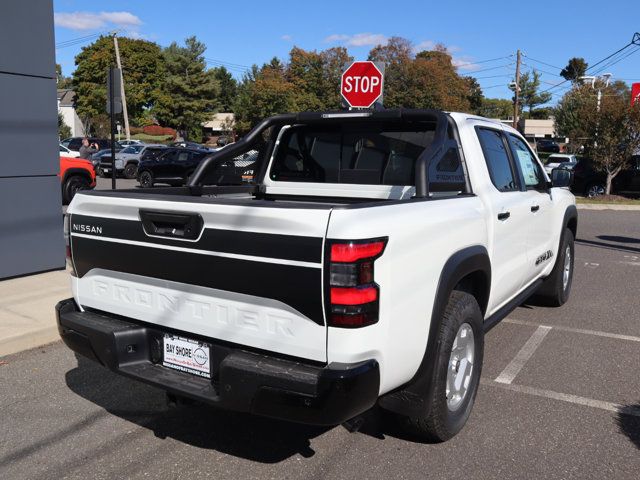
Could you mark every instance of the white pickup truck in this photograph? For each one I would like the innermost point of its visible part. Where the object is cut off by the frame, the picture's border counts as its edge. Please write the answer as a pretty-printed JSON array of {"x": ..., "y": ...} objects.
[{"x": 361, "y": 266}]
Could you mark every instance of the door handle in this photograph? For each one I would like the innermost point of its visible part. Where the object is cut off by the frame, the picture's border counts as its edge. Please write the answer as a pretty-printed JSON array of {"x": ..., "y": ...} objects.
[
  {"x": 504, "y": 215},
  {"x": 535, "y": 208}
]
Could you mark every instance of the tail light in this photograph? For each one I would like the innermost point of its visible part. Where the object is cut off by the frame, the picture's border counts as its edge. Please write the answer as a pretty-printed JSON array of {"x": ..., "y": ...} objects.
[
  {"x": 353, "y": 299},
  {"x": 67, "y": 241}
]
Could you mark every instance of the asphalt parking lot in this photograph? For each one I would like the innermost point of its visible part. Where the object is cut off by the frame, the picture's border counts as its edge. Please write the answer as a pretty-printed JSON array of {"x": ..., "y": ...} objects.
[{"x": 559, "y": 398}]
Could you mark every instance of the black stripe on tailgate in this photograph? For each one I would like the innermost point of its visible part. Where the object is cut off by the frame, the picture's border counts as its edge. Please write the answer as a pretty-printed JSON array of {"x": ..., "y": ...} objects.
[
  {"x": 286, "y": 247},
  {"x": 298, "y": 287}
]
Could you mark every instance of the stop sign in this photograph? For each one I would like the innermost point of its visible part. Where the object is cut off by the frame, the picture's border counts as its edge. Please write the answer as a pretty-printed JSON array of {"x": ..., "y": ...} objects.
[{"x": 361, "y": 84}]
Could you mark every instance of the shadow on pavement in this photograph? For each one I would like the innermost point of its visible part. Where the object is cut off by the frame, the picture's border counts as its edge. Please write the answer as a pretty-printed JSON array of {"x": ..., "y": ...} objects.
[
  {"x": 255, "y": 438},
  {"x": 610, "y": 246},
  {"x": 618, "y": 239},
  {"x": 629, "y": 423}
]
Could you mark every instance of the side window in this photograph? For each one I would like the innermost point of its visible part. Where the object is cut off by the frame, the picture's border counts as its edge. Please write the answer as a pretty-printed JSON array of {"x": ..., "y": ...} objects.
[
  {"x": 183, "y": 157},
  {"x": 530, "y": 168},
  {"x": 497, "y": 158}
]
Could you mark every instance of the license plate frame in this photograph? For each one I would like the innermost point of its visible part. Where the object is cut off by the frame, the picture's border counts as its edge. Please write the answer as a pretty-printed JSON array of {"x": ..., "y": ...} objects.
[{"x": 186, "y": 355}]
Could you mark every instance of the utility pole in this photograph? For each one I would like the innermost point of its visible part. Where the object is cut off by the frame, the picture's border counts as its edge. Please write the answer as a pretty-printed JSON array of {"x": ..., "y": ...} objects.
[
  {"x": 516, "y": 103},
  {"x": 124, "y": 99}
]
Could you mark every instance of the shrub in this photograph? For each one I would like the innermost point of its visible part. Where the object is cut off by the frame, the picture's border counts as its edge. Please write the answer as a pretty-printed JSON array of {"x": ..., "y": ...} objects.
[{"x": 157, "y": 130}]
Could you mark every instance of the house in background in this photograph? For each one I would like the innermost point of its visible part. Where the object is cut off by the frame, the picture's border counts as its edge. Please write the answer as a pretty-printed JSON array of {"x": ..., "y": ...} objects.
[
  {"x": 68, "y": 111},
  {"x": 221, "y": 124},
  {"x": 531, "y": 127}
]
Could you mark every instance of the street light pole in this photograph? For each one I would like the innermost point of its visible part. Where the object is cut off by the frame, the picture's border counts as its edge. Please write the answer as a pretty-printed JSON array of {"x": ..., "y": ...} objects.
[{"x": 606, "y": 77}]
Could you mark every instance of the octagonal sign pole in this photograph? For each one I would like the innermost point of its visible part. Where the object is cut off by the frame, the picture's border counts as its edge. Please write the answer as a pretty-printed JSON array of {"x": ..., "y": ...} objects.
[{"x": 361, "y": 84}]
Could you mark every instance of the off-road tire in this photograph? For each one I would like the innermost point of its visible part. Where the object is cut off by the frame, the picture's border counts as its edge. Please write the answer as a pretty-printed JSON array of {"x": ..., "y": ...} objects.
[
  {"x": 438, "y": 422},
  {"x": 130, "y": 171},
  {"x": 146, "y": 179},
  {"x": 554, "y": 292},
  {"x": 73, "y": 184}
]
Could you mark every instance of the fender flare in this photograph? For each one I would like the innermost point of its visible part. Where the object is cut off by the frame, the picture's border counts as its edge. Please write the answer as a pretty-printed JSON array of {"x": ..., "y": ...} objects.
[
  {"x": 570, "y": 214},
  {"x": 410, "y": 398},
  {"x": 76, "y": 171}
]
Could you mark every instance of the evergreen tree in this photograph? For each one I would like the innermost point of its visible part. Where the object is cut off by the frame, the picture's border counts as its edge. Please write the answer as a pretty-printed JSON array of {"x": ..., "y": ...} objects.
[
  {"x": 228, "y": 88},
  {"x": 189, "y": 93}
]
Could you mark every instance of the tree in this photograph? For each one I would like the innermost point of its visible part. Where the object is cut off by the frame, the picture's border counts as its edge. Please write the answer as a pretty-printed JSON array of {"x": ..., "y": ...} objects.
[
  {"x": 142, "y": 69},
  {"x": 263, "y": 92},
  {"x": 334, "y": 61},
  {"x": 64, "y": 130},
  {"x": 616, "y": 134},
  {"x": 426, "y": 80},
  {"x": 496, "y": 108},
  {"x": 228, "y": 88},
  {"x": 62, "y": 81},
  {"x": 576, "y": 68},
  {"x": 475, "y": 95},
  {"x": 189, "y": 93},
  {"x": 397, "y": 55},
  {"x": 529, "y": 96},
  {"x": 611, "y": 134}
]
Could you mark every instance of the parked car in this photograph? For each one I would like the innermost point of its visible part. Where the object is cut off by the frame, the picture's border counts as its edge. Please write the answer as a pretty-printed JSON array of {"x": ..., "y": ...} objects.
[
  {"x": 547, "y": 146},
  {"x": 362, "y": 268},
  {"x": 556, "y": 159},
  {"x": 186, "y": 144},
  {"x": 126, "y": 143},
  {"x": 75, "y": 174},
  {"x": 173, "y": 166},
  {"x": 102, "y": 160},
  {"x": 128, "y": 158},
  {"x": 65, "y": 152},
  {"x": 590, "y": 182},
  {"x": 74, "y": 143},
  {"x": 224, "y": 140}
]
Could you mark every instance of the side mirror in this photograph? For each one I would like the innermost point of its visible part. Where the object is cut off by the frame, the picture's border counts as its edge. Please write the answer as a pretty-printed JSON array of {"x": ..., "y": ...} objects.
[{"x": 561, "y": 177}]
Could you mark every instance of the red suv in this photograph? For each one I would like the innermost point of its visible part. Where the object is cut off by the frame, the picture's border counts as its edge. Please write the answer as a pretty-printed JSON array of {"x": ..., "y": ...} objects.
[{"x": 75, "y": 174}]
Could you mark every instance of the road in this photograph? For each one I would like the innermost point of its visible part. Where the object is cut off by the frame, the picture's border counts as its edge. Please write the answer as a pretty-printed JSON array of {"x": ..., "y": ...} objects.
[{"x": 566, "y": 403}]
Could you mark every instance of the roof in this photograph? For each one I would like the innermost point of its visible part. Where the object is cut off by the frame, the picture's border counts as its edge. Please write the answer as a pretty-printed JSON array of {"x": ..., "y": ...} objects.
[
  {"x": 66, "y": 97},
  {"x": 220, "y": 121}
]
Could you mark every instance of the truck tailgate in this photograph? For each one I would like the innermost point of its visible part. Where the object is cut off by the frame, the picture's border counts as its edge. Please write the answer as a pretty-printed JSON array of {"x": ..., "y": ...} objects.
[{"x": 251, "y": 275}]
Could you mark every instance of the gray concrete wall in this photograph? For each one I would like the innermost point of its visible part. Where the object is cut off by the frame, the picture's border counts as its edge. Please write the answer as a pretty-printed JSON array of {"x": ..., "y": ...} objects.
[{"x": 31, "y": 238}]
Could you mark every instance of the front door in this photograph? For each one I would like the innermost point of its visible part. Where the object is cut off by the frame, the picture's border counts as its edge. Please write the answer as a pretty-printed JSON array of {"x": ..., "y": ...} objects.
[
  {"x": 540, "y": 244},
  {"x": 509, "y": 214}
]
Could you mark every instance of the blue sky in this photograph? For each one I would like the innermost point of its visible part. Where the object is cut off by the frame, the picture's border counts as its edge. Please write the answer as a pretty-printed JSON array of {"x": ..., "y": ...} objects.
[{"x": 483, "y": 36}]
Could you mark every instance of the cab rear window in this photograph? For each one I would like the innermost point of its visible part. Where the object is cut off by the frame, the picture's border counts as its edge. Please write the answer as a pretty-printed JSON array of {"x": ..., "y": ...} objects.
[{"x": 373, "y": 154}]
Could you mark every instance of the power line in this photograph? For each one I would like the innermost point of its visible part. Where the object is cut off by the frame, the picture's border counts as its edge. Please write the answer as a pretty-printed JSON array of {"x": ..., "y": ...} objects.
[
  {"x": 493, "y": 76},
  {"x": 634, "y": 41},
  {"x": 617, "y": 60},
  {"x": 540, "y": 70},
  {"x": 78, "y": 40},
  {"x": 483, "y": 61},
  {"x": 487, "y": 69},
  {"x": 543, "y": 63}
]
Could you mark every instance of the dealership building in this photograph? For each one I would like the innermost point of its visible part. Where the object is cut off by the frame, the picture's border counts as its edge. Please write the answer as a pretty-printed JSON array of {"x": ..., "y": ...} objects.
[{"x": 31, "y": 237}]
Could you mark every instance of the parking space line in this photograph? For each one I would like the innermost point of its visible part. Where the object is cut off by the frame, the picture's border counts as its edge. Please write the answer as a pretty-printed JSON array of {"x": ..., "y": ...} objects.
[
  {"x": 525, "y": 353},
  {"x": 565, "y": 397},
  {"x": 597, "y": 333}
]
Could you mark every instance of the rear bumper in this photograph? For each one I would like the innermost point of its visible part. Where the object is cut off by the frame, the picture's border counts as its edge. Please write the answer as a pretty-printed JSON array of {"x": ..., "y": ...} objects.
[{"x": 241, "y": 380}]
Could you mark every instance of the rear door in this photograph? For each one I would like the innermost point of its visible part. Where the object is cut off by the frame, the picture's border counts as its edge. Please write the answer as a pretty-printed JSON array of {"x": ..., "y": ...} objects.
[{"x": 242, "y": 271}]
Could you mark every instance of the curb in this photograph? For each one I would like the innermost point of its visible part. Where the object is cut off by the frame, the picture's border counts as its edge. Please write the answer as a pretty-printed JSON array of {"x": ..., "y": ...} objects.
[
  {"x": 607, "y": 206},
  {"x": 28, "y": 340}
]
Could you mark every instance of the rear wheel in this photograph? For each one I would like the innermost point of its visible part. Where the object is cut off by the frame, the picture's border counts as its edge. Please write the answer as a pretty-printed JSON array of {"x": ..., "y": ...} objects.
[
  {"x": 457, "y": 370},
  {"x": 146, "y": 179},
  {"x": 594, "y": 190},
  {"x": 556, "y": 288},
  {"x": 71, "y": 186},
  {"x": 130, "y": 170}
]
